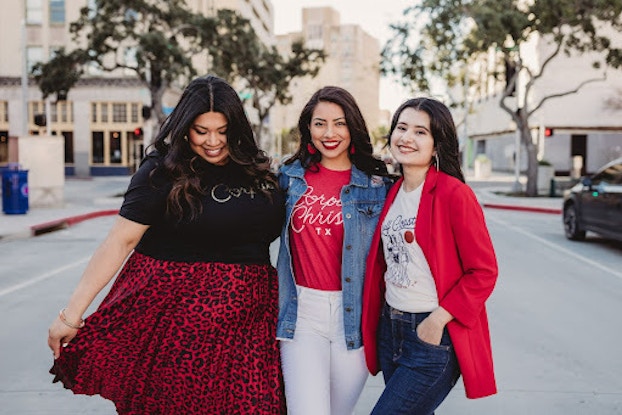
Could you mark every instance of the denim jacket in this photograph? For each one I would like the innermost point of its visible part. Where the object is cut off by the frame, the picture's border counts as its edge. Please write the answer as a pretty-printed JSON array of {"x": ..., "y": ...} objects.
[{"x": 362, "y": 200}]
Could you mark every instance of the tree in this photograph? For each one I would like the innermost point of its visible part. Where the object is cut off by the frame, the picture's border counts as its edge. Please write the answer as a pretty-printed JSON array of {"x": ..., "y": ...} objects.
[
  {"x": 157, "y": 41},
  {"x": 458, "y": 32},
  {"x": 58, "y": 75},
  {"x": 262, "y": 73},
  {"x": 154, "y": 40}
]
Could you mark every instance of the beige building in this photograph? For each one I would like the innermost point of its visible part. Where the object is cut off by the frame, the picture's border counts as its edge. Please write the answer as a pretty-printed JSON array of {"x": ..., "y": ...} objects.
[
  {"x": 353, "y": 59},
  {"x": 102, "y": 121},
  {"x": 584, "y": 129}
]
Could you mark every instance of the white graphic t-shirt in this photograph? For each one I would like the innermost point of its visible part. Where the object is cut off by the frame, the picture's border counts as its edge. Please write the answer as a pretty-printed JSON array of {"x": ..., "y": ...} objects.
[{"x": 409, "y": 281}]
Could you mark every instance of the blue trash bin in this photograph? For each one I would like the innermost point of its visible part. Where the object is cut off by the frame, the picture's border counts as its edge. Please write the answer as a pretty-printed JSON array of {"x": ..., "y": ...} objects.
[{"x": 14, "y": 191}]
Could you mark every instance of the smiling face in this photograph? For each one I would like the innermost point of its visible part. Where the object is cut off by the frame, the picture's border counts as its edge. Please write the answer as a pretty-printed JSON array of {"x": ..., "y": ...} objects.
[
  {"x": 330, "y": 135},
  {"x": 412, "y": 144},
  {"x": 208, "y": 137}
]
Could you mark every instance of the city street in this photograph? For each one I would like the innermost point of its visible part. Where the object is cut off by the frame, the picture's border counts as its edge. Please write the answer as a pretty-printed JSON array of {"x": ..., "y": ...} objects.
[{"x": 554, "y": 321}]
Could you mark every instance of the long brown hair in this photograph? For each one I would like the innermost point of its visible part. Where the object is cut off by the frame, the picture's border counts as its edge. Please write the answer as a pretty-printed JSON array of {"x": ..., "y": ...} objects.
[
  {"x": 362, "y": 155},
  {"x": 443, "y": 131},
  {"x": 207, "y": 94}
]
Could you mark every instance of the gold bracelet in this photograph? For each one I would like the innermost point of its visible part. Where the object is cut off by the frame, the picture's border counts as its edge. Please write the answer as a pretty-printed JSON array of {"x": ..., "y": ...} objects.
[{"x": 63, "y": 318}]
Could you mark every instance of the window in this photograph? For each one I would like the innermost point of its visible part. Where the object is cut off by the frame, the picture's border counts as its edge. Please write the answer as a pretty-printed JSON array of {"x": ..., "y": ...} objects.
[
  {"x": 314, "y": 32},
  {"x": 62, "y": 112},
  {"x": 97, "y": 145},
  {"x": 66, "y": 112},
  {"x": 34, "y": 55},
  {"x": 119, "y": 112},
  {"x": 110, "y": 123},
  {"x": 115, "y": 147},
  {"x": 4, "y": 112},
  {"x": 610, "y": 175},
  {"x": 57, "y": 11},
  {"x": 4, "y": 146},
  {"x": 68, "y": 146},
  {"x": 34, "y": 11},
  {"x": 134, "y": 115}
]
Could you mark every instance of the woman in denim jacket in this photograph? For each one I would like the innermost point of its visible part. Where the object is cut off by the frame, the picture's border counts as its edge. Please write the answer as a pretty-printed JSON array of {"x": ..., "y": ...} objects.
[{"x": 335, "y": 192}]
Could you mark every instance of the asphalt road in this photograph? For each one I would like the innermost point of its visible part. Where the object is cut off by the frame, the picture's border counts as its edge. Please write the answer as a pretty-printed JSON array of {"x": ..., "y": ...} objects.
[{"x": 554, "y": 320}]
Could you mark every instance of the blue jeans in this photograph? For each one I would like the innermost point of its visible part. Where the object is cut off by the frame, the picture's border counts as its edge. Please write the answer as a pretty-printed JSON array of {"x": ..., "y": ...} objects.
[{"x": 417, "y": 375}]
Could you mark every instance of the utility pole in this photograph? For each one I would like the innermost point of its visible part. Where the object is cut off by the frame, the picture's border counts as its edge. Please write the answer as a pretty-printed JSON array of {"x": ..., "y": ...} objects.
[
  {"x": 24, "y": 80},
  {"x": 464, "y": 145},
  {"x": 46, "y": 51}
]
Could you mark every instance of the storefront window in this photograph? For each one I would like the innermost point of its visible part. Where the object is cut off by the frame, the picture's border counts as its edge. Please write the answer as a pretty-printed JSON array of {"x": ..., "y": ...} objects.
[
  {"x": 97, "y": 146},
  {"x": 115, "y": 147}
]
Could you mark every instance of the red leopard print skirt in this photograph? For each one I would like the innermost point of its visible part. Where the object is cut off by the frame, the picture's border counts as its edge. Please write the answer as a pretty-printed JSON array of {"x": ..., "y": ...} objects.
[{"x": 181, "y": 338}]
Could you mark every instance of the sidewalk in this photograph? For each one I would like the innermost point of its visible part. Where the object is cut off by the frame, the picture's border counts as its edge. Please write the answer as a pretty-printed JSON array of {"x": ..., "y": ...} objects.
[
  {"x": 83, "y": 199},
  {"x": 98, "y": 196},
  {"x": 490, "y": 192}
]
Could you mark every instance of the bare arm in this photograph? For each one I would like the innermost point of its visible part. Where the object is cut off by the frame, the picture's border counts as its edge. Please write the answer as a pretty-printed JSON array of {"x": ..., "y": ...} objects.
[{"x": 103, "y": 266}]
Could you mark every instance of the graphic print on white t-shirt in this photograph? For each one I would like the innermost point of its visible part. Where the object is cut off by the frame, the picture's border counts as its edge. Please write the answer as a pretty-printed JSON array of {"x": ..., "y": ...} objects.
[
  {"x": 404, "y": 258},
  {"x": 396, "y": 252},
  {"x": 409, "y": 281}
]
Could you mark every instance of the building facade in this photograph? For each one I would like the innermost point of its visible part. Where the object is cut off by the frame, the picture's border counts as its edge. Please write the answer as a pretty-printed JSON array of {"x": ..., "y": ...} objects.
[
  {"x": 577, "y": 133},
  {"x": 353, "y": 60},
  {"x": 102, "y": 120}
]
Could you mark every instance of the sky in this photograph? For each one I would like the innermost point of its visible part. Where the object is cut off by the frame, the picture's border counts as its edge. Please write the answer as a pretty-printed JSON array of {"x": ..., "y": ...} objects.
[{"x": 372, "y": 15}]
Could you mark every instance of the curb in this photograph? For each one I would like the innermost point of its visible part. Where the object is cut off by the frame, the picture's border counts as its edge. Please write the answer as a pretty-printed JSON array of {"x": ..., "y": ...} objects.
[
  {"x": 57, "y": 224},
  {"x": 63, "y": 223},
  {"x": 553, "y": 211}
]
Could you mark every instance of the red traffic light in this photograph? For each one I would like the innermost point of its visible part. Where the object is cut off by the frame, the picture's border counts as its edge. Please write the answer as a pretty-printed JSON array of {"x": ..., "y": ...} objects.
[
  {"x": 138, "y": 132},
  {"x": 548, "y": 132}
]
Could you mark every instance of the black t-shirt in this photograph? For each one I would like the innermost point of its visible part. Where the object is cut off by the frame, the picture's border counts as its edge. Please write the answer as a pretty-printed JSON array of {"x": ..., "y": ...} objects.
[{"x": 237, "y": 224}]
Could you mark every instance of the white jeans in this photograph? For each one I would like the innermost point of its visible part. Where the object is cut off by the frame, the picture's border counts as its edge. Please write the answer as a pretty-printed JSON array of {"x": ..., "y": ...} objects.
[{"x": 322, "y": 377}]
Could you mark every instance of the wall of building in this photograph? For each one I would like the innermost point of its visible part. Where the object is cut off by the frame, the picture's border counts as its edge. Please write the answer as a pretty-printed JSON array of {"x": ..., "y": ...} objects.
[
  {"x": 590, "y": 111},
  {"x": 353, "y": 58},
  {"x": 96, "y": 89}
]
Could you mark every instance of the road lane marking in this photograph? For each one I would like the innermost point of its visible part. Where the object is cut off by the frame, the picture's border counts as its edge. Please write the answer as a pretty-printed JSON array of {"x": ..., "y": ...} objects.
[
  {"x": 42, "y": 277},
  {"x": 558, "y": 248}
]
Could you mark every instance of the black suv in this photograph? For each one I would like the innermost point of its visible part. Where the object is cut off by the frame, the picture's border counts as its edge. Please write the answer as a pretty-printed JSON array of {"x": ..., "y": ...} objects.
[{"x": 595, "y": 204}]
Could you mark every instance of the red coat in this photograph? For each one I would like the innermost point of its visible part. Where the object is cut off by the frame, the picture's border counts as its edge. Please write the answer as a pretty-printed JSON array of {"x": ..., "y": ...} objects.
[{"x": 452, "y": 233}]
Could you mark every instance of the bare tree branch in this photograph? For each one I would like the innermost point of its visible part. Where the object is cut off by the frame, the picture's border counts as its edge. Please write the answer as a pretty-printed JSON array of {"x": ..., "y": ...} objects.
[{"x": 570, "y": 92}]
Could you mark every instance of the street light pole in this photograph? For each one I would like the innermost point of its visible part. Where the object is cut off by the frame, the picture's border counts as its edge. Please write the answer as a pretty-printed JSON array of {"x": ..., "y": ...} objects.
[
  {"x": 24, "y": 81},
  {"x": 46, "y": 50}
]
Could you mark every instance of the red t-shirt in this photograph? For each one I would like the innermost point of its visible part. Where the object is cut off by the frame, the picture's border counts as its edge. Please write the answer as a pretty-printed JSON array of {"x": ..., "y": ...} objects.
[{"x": 316, "y": 230}]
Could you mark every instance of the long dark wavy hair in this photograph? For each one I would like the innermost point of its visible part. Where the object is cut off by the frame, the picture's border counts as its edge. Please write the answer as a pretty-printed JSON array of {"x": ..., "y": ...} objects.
[
  {"x": 207, "y": 94},
  {"x": 363, "y": 157},
  {"x": 443, "y": 131}
]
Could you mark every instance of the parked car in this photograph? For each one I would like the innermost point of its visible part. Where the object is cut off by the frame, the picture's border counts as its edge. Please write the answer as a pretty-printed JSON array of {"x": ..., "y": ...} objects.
[{"x": 595, "y": 204}]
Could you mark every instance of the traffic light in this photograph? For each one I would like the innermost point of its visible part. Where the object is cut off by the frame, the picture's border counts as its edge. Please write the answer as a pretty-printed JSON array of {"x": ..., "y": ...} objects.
[
  {"x": 548, "y": 132},
  {"x": 40, "y": 120},
  {"x": 146, "y": 112},
  {"x": 138, "y": 132}
]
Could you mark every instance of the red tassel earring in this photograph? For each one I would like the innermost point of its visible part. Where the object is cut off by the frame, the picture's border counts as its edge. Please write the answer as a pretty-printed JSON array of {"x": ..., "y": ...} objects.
[
  {"x": 352, "y": 149},
  {"x": 312, "y": 150}
]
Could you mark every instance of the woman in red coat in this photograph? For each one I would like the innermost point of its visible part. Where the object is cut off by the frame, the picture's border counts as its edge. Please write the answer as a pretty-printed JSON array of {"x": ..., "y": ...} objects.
[{"x": 430, "y": 270}]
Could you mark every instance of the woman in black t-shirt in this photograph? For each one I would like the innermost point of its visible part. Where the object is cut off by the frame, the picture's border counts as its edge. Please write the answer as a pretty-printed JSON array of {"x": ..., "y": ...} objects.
[{"x": 188, "y": 326}]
